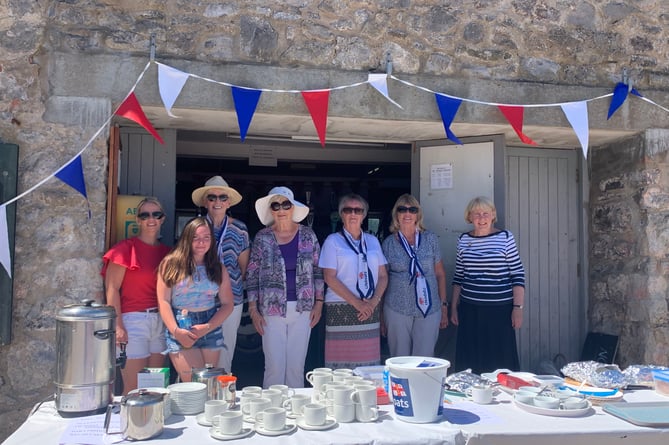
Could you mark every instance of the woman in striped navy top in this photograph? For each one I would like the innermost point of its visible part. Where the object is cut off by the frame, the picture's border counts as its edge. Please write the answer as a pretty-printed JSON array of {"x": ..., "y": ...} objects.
[{"x": 488, "y": 293}]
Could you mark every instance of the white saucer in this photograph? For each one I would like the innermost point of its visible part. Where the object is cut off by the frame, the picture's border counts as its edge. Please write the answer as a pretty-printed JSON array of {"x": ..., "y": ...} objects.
[
  {"x": 292, "y": 415},
  {"x": 329, "y": 423},
  {"x": 201, "y": 419},
  {"x": 216, "y": 434},
  {"x": 289, "y": 428},
  {"x": 249, "y": 419}
]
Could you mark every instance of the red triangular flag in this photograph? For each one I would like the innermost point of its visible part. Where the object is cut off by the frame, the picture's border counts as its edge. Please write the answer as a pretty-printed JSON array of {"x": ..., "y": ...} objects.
[
  {"x": 515, "y": 117},
  {"x": 317, "y": 103},
  {"x": 131, "y": 109}
]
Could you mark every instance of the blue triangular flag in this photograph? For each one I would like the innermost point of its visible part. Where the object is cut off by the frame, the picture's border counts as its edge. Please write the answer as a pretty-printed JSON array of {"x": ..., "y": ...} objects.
[
  {"x": 448, "y": 107},
  {"x": 619, "y": 96},
  {"x": 246, "y": 101},
  {"x": 72, "y": 174}
]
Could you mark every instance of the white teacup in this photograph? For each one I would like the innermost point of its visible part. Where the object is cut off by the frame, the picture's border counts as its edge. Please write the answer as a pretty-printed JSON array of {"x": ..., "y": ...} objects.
[
  {"x": 366, "y": 413},
  {"x": 255, "y": 406},
  {"x": 274, "y": 395},
  {"x": 319, "y": 378},
  {"x": 525, "y": 397},
  {"x": 285, "y": 390},
  {"x": 338, "y": 375},
  {"x": 213, "y": 408},
  {"x": 271, "y": 419},
  {"x": 364, "y": 395},
  {"x": 229, "y": 422},
  {"x": 314, "y": 414},
  {"x": 251, "y": 390},
  {"x": 337, "y": 394},
  {"x": 547, "y": 402},
  {"x": 481, "y": 394},
  {"x": 296, "y": 403},
  {"x": 244, "y": 399},
  {"x": 343, "y": 413},
  {"x": 575, "y": 403}
]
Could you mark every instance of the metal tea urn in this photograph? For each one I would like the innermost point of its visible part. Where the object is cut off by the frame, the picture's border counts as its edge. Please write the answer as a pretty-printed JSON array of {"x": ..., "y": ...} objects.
[{"x": 86, "y": 358}]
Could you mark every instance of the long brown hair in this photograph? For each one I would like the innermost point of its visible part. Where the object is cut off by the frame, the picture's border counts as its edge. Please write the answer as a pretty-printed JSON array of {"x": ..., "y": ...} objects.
[{"x": 179, "y": 263}]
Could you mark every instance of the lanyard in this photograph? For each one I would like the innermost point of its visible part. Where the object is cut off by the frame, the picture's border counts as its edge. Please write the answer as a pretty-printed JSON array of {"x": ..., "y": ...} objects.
[
  {"x": 417, "y": 276},
  {"x": 219, "y": 242},
  {"x": 365, "y": 285}
]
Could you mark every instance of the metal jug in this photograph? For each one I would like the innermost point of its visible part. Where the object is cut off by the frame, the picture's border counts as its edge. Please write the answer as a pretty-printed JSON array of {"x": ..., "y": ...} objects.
[
  {"x": 142, "y": 415},
  {"x": 208, "y": 375},
  {"x": 86, "y": 358}
]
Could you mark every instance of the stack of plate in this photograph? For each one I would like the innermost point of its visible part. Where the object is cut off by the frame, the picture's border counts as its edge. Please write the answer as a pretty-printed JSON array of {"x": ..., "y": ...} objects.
[{"x": 188, "y": 398}]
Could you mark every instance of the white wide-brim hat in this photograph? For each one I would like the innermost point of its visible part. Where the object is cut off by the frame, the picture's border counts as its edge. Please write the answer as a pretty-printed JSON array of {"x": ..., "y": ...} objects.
[
  {"x": 265, "y": 213},
  {"x": 200, "y": 194}
]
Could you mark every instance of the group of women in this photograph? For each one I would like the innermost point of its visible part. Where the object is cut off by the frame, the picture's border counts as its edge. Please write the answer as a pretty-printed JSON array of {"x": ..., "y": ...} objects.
[{"x": 396, "y": 288}]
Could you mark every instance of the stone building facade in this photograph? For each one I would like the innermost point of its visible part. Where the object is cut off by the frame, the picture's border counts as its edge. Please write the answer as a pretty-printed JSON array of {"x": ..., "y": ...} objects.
[{"x": 496, "y": 50}]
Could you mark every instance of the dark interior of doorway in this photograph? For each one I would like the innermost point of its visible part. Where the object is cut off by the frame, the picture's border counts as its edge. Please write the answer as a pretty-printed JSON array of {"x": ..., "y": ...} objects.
[{"x": 320, "y": 184}]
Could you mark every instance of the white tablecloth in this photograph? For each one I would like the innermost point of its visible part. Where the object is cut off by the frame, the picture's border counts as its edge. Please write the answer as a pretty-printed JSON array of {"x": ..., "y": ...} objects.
[{"x": 499, "y": 423}]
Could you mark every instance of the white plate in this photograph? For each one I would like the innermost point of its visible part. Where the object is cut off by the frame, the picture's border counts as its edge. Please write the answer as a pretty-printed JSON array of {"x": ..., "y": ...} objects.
[
  {"x": 289, "y": 428},
  {"x": 187, "y": 387},
  {"x": 554, "y": 412},
  {"x": 216, "y": 434},
  {"x": 201, "y": 419},
  {"x": 329, "y": 423}
]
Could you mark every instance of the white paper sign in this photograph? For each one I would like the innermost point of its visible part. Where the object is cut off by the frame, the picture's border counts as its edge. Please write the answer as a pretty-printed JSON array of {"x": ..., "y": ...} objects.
[
  {"x": 441, "y": 176},
  {"x": 90, "y": 430}
]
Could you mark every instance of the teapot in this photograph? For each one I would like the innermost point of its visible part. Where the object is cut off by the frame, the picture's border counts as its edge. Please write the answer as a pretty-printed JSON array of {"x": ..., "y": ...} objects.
[{"x": 141, "y": 415}]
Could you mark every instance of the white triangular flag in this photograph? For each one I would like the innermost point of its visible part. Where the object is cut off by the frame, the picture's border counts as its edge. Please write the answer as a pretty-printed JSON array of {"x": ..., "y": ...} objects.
[
  {"x": 380, "y": 82},
  {"x": 577, "y": 115},
  {"x": 5, "y": 257},
  {"x": 170, "y": 83}
]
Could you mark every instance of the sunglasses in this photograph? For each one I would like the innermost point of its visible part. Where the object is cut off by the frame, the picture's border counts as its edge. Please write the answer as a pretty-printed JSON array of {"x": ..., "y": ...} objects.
[
  {"x": 403, "y": 209},
  {"x": 356, "y": 210},
  {"x": 286, "y": 205},
  {"x": 212, "y": 198},
  {"x": 146, "y": 215}
]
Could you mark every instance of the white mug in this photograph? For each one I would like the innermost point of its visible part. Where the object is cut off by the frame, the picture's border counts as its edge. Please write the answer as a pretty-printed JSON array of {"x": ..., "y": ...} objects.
[
  {"x": 338, "y": 375},
  {"x": 364, "y": 395},
  {"x": 274, "y": 395},
  {"x": 296, "y": 403},
  {"x": 314, "y": 414},
  {"x": 318, "y": 378},
  {"x": 229, "y": 422},
  {"x": 337, "y": 394},
  {"x": 213, "y": 408},
  {"x": 285, "y": 390},
  {"x": 256, "y": 405},
  {"x": 244, "y": 399},
  {"x": 271, "y": 419},
  {"x": 251, "y": 390},
  {"x": 481, "y": 394},
  {"x": 366, "y": 413},
  {"x": 343, "y": 413}
]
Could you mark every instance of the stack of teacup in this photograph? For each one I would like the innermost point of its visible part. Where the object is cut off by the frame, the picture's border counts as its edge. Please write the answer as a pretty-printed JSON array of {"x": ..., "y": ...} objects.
[{"x": 347, "y": 397}]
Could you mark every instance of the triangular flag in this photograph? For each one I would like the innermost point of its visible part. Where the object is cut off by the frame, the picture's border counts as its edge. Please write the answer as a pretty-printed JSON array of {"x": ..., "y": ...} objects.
[
  {"x": 246, "y": 101},
  {"x": 72, "y": 174},
  {"x": 577, "y": 115},
  {"x": 619, "y": 96},
  {"x": 317, "y": 103},
  {"x": 514, "y": 115},
  {"x": 448, "y": 107},
  {"x": 170, "y": 83},
  {"x": 5, "y": 256},
  {"x": 380, "y": 83},
  {"x": 131, "y": 109}
]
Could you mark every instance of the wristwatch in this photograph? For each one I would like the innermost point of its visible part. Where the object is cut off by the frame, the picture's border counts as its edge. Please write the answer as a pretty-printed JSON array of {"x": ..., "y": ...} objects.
[{"x": 519, "y": 306}]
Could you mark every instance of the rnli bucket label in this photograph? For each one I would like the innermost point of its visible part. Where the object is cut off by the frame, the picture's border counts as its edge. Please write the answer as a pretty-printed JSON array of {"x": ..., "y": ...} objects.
[{"x": 401, "y": 396}]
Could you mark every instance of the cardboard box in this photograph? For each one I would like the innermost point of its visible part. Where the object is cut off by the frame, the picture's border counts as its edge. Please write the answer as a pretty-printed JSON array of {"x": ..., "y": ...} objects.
[{"x": 153, "y": 378}]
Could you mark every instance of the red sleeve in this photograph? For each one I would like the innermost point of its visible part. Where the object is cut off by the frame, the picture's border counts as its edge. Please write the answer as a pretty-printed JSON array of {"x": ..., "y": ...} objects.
[{"x": 123, "y": 253}]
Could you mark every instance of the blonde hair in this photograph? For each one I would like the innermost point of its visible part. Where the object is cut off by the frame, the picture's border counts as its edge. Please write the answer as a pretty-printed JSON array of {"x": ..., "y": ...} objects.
[
  {"x": 408, "y": 201},
  {"x": 480, "y": 202}
]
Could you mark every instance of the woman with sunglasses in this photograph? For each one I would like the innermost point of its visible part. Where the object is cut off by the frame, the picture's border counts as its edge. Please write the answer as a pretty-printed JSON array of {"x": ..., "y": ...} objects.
[
  {"x": 488, "y": 293},
  {"x": 193, "y": 284},
  {"x": 354, "y": 269},
  {"x": 284, "y": 286},
  {"x": 414, "y": 307},
  {"x": 129, "y": 271},
  {"x": 231, "y": 238}
]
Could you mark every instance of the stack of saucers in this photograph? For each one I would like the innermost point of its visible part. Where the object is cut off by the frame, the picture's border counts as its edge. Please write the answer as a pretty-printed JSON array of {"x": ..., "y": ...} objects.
[{"x": 188, "y": 398}]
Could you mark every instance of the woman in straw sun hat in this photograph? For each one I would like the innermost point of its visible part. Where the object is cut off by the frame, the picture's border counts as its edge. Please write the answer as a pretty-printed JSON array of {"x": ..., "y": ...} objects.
[
  {"x": 284, "y": 286},
  {"x": 232, "y": 242}
]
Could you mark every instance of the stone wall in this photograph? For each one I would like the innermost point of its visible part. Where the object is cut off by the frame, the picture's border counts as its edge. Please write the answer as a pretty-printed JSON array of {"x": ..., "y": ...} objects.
[
  {"x": 562, "y": 42},
  {"x": 629, "y": 260}
]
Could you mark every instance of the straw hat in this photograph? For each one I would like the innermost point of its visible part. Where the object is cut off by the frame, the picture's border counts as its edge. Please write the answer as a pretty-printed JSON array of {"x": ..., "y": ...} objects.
[
  {"x": 200, "y": 194},
  {"x": 265, "y": 213}
]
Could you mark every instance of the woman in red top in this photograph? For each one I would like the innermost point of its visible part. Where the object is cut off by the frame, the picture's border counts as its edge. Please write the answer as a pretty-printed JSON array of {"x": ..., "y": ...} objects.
[{"x": 130, "y": 273}]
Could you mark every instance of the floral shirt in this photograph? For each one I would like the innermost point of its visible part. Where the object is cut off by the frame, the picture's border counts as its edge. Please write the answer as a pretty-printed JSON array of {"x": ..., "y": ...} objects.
[{"x": 266, "y": 273}]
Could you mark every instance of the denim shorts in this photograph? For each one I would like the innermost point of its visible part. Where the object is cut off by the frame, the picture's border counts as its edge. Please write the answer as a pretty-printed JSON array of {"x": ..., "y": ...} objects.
[
  {"x": 212, "y": 340},
  {"x": 145, "y": 334}
]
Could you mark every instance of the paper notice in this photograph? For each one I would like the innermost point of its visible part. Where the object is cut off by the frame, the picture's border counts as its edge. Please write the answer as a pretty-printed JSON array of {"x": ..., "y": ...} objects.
[{"x": 90, "y": 430}]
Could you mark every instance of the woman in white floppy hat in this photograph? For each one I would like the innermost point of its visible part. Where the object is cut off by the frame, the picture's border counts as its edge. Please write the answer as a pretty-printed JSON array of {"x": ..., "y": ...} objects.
[
  {"x": 284, "y": 286},
  {"x": 233, "y": 247}
]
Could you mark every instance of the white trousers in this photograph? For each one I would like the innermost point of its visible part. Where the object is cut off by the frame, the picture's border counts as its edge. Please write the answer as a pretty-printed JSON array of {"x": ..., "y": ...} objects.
[
  {"x": 285, "y": 345},
  {"x": 230, "y": 327}
]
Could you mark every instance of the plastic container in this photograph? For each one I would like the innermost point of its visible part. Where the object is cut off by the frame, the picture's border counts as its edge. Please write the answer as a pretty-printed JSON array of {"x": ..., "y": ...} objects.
[
  {"x": 417, "y": 385},
  {"x": 661, "y": 382}
]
